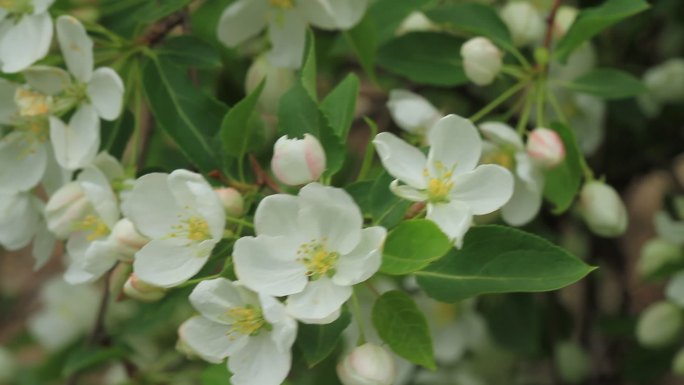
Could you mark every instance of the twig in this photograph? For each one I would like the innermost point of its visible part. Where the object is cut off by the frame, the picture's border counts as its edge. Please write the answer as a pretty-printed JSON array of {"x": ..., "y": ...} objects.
[
  {"x": 159, "y": 30},
  {"x": 262, "y": 176},
  {"x": 550, "y": 21}
]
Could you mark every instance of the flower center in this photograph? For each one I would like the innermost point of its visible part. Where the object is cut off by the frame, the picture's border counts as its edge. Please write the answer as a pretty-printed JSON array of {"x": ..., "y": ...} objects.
[
  {"x": 502, "y": 157},
  {"x": 32, "y": 103},
  {"x": 282, "y": 4},
  {"x": 94, "y": 225},
  {"x": 439, "y": 185},
  {"x": 247, "y": 320},
  {"x": 193, "y": 228},
  {"x": 17, "y": 7},
  {"x": 318, "y": 260}
]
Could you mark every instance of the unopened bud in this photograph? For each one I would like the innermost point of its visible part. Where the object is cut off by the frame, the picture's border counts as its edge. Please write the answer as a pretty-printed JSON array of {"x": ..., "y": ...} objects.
[
  {"x": 665, "y": 82},
  {"x": 65, "y": 207},
  {"x": 278, "y": 81},
  {"x": 127, "y": 239},
  {"x": 298, "y": 161},
  {"x": 659, "y": 325},
  {"x": 545, "y": 147},
  {"x": 232, "y": 201},
  {"x": 416, "y": 21},
  {"x": 565, "y": 17},
  {"x": 142, "y": 291},
  {"x": 572, "y": 362},
  {"x": 602, "y": 209},
  {"x": 412, "y": 112},
  {"x": 659, "y": 258},
  {"x": 368, "y": 364},
  {"x": 481, "y": 60},
  {"x": 524, "y": 22}
]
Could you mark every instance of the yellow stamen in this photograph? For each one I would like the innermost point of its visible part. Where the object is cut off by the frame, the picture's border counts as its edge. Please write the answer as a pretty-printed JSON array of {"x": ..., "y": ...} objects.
[
  {"x": 439, "y": 185},
  {"x": 247, "y": 320},
  {"x": 32, "y": 103},
  {"x": 318, "y": 260},
  {"x": 282, "y": 4},
  {"x": 503, "y": 158},
  {"x": 194, "y": 228},
  {"x": 95, "y": 225}
]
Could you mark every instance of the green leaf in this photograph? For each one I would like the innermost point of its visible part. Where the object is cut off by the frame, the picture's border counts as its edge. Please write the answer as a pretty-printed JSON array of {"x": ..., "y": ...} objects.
[
  {"x": 608, "y": 83},
  {"x": 361, "y": 192},
  {"x": 413, "y": 245},
  {"x": 498, "y": 259},
  {"x": 317, "y": 341},
  {"x": 434, "y": 58},
  {"x": 88, "y": 358},
  {"x": 190, "y": 51},
  {"x": 387, "y": 15},
  {"x": 235, "y": 134},
  {"x": 387, "y": 209},
  {"x": 190, "y": 117},
  {"x": 308, "y": 72},
  {"x": 475, "y": 19},
  {"x": 298, "y": 114},
  {"x": 115, "y": 134},
  {"x": 403, "y": 327},
  {"x": 564, "y": 181},
  {"x": 339, "y": 105},
  {"x": 592, "y": 21},
  {"x": 215, "y": 375},
  {"x": 363, "y": 40}
]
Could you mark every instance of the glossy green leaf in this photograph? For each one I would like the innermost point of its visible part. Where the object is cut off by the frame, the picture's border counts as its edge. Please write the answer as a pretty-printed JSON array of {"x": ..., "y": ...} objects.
[
  {"x": 339, "y": 105},
  {"x": 363, "y": 39},
  {"x": 91, "y": 357},
  {"x": 317, "y": 341},
  {"x": 403, "y": 327},
  {"x": 562, "y": 183},
  {"x": 608, "y": 83},
  {"x": 498, "y": 259},
  {"x": 235, "y": 134},
  {"x": 387, "y": 15},
  {"x": 190, "y": 51},
  {"x": 184, "y": 112},
  {"x": 308, "y": 71},
  {"x": 592, "y": 21},
  {"x": 412, "y": 245},
  {"x": 434, "y": 58},
  {"x": 387, "y": 209},
  {"x": 115, "y": 134}
]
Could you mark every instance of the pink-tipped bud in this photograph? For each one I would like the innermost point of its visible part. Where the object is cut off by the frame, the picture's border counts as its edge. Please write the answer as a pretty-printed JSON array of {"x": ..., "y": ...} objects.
[
  {"x": 142, "y": 291},
  {"x": 368, "y": 364},
  {"x": 545, "y": 147},
  {"x": 481, "y": 60},
  {"x": 298, "y": 161},
  {"x": 232, "y": 201}
]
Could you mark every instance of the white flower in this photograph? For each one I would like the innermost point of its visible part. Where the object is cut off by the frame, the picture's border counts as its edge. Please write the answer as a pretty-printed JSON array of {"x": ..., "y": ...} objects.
[
  {"x": 310, "y": 247},
  {"x": 286, "y": 21},
  {"x": 545, "y": 147},
  {"x": 565, "y": 17},
  {"x": 298, "y": 161},
  {"x": 603, "y": 209},
  {"x": 185, "y": 219},
  {"x": 447, "y": 179},
  {"x": 96, "y": 95},
  {"x": 142, "y": 291},
  {"x": 25, "y": 33},
  {"x": 68, "y": 312},
  {"x": 368, "y": 364},
  {"x": 524, "y": 22},
  {"x": 412, "y": 112},
  {"x": 252, "y": 330},
  {"x": 481, "y": 60},
  {"x": 505, "y": 148}
]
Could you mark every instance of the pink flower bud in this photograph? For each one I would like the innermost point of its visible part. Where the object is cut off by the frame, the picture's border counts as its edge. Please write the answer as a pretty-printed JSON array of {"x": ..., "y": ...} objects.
[
  {"x": 232, "y": 201},
  {"x": 545, "y": 147},
  {"x": 368, "y": 364},
  {"x": 298, "y": 161},
  {"x": 142, "y": 291},
  {"x": 481, "y": 60}
]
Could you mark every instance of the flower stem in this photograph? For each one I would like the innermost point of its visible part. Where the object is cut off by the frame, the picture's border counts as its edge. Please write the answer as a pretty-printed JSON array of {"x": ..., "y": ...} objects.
[
  {"x": 524, "y": 116},
  {"x": 496, "y": 102},
  {"x": 540, "y": 94},
  {"x": 240, "y": 222},
  {"x": 356, "y": 313},
  {"x": 370, "y": 150}
]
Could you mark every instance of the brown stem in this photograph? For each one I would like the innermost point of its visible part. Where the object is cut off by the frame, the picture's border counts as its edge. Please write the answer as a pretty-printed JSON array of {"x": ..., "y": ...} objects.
[
  {"x": 159, "y": 30},
  {"x": 550, "y": 21},
  {"x": 262, "y": 176}
]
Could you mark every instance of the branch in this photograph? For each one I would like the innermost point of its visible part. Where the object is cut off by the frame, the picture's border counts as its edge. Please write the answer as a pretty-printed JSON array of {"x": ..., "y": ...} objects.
[{"x": 550, "y": 21}]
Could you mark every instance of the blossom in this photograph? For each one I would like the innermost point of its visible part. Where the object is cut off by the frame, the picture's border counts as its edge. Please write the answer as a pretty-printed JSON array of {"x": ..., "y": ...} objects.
[
  {"x": 368, "y": 364},
  {"x": 96, "y": 94},
  {"x": 545, "y": 147},
  {"x": 252, "y": 330},
  {"x": 447, "y": 179},
  {"x": 298, "y": 161},
  {"x": 183, "y": 217},
  {"x": 310, "y": 247},
  {"x": 602, "y": 209},
  {"x": 286, "y": 21},
  {"x": 481, "y": 60},
  {"x": 25, "y": 33},
  {"x": 412, "y": 112},
  {"x": 505, "y": 148},
  {"x": 524, "y": 21}
]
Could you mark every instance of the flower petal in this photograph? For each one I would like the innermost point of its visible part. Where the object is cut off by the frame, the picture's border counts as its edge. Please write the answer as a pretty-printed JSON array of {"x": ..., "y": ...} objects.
[
  {"x": 8, "y": 108},
  {"x": 22, "y": 162},
  {"x": 100, "y": 257},
  {"x": 18, "y": 220},
  {"x": 330, "y": 213},
  {"x": 318, "y": 301},
  {"x": 407, "y": 192},
  {"x": 26, "y": 42},
  {"x": 268, "y": 265},
  {"x": 76, "y": 46},
  {"x": 524, "y": 204},
  {"x": 453, "y": 218},
  {"x": 454, "y": 142},
  {"x": 106, "y": 90},
  {"x": 209, "y": 340},
  {"x": 169, "y": 262},
  {"x": 77, "y": 143},
  {"x": 277, "y": 215},
  {"x": 284, "y": 327},
  {"x": 100, "y": 194},
  {"x": 241, "y": 20},
  {"x": 412, "y": 112},
  {"x": 484, "y": 189},
  {"x": 362, "y": 262},
  {"x": 401, "y": 160},
  {"x": 43, "y": 245},
  {"x": 191, "y": 190},
  {"x": 151, "y": 206},
  {"x": 213, "y": 297},
  {"x": 46, "y": 79},
  {"x": 334, "y": 14},
  {"x": 502, "y": 134},
  {"x": 287, "y": 31},
  {"x": 260, "y": 362}
]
